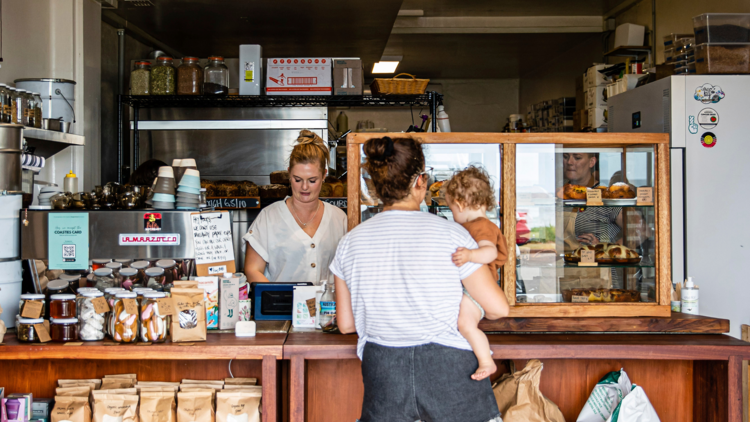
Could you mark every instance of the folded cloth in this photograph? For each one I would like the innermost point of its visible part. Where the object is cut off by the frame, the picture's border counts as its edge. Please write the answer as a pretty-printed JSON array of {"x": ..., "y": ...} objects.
[{"x": 32, "y": 160}]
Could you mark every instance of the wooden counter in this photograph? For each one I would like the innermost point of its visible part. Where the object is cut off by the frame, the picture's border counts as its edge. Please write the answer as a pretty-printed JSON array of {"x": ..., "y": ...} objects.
[
  {"x": 688, "y": 377},
  {"x": 35, "y": 367}
]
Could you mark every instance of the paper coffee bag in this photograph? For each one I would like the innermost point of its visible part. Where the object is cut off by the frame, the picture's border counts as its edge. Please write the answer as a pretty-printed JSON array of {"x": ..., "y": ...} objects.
[
  {"x": 79, "y": 391},
  {"x": 195, "y": 406},
  {"x": 73, "y": 409},
  {"x": 241, "y": 381},
  {"x": 189, "y": 320},
  {"x": 116, "y": 408},
  {"x": 157, "y": 407},
  {"x": 238, "y": 406}
]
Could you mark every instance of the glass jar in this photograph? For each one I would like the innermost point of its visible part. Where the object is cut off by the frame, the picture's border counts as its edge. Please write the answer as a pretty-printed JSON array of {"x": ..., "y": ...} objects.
[
  {"x": 153, "y": 323},
  {"x": 163, "y": 77},
  {"x": 82, "y": 290},
  {"x": 216, "y": 77},
  {"x": 5, "y": 104},
  {"x": 155, "y": 278},
  {"x": 74, "y": 281},
  {"x": 99, "y": 263},
  {"x": 116, "y": 267},
  {"x": 28, "y": 112},
  {"x": 140, "y": 291},
  {"x": 122, "y": 325},
  {"x": 55, "y": 287},
  {"x": 62, "y": 330},
  {"x": 129, "y": 278},
  {"x": 90, "y": 324},
  {"x": 110, "y": 293},
  {"x": 139, "y": 79},
  {"x": 19, "y": 105},
  {"x": 125, "y": 262},
  {"x": 141, "y": 267},
  {"x": 104, "y": 279},
  {"x": 62, "y": 306},
  {"x": 26, "y": 332},
  {"x": 38, "y": 107},
  {"x": 171, "y": 272},
  {"x": 189, "y": 77},
  {"x": 31, "y": 297}
]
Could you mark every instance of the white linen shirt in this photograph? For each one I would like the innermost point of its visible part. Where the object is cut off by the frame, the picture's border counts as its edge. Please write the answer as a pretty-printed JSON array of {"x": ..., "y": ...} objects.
[{"x": 292, "y": 255}]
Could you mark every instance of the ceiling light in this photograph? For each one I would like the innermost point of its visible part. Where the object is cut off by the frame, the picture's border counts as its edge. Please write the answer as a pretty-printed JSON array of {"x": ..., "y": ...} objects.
[{"x": 385, "y": 67}]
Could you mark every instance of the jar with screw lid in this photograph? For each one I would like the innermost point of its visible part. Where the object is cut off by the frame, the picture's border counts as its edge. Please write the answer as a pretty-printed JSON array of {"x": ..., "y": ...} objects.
[
  {"x": 122, "y": 324},
  {"x": 5, "y": 104},
  {"x": 163, "y": 77},
  {"x": 31, "y": 297},
  {"x": 116, "y": 267},
  {"x": 26, "y": 330},
  {"x": 140, "y": 79},
  {"x": 38, "y": 104},
  {"x": 129, "y": 278},
  {"x": 156, "y": 278},
  {"x": 104, "y": 279},
  {"x": 189, "y": 77},
  {"x": 141, "y": 267},
  {"x": 99, "y": 263},
  {"x": 154, "y": 323},
  {"x": 216, "y": 77},
  {"x": 62, "y": 330},
  {"x": 171, "y": 272},
  {"x": 90, "y": 323},
  {"x": 62, "y": 306},
  {"x": 20, "y": 104}
]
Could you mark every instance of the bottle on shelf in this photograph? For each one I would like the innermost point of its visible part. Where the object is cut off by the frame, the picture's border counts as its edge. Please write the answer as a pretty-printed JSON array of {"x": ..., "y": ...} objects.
[
  {"x": 442, "y": 120},
  {"x": 327, "y": 305},
  {"x": 70, "y": 184},
  {"x": 689, "y": 298}
]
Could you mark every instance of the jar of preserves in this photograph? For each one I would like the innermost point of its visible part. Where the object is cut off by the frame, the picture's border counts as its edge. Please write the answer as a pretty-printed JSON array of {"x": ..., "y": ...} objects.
[
  {"x": 125, "y": 262},
  {"x": 26, "y": 330},
  {"x": 153, "y": 323},
  {"x": 140, "y": 79},
  {"x": 163, "y": 77},
  {"x": 104, "y": 279},
  {"x": 19, "y": 105},
  {"x": 122, "y": 324},
  {"x": 171, "y": 272},
  {"x": 5, "y": 103},
  {"x": 38, "y": 107},
  {"x": 28, "y": 112},
  {"x": 155, "y": 278},
  {"x": 83, "y": 290},
  {"x": 62, "y": 330},
  {"x": 99, "y": 263},
  {"x": 90, "y": 324},
  {"x": 62, "y": 306},
  {"x": 116, "y": 267},
  {"x": 129, "y": 278},
  {"x": 30, "y": 297},
  {"x": 55, "y": 287},
  {"x": 189, "y": 77},
  {"x": 216, "y": 77}
]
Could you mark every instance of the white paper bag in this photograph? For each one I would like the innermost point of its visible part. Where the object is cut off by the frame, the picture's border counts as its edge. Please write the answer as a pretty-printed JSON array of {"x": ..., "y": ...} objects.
[
  {"x": 635, "y": 407},
  {"x": 607, "y": 394}
]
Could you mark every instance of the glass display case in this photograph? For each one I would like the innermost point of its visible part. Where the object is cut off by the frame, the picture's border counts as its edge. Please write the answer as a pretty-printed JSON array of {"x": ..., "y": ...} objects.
[{"x": 587, "y": 215}]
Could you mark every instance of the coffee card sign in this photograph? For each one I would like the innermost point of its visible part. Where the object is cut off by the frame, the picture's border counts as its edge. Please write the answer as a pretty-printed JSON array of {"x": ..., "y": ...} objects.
[{"x": 212, "y": 239}]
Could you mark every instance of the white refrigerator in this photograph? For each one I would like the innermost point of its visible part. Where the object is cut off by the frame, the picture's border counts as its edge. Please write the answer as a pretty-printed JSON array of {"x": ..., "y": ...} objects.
[{"x": 708, "y": 119}]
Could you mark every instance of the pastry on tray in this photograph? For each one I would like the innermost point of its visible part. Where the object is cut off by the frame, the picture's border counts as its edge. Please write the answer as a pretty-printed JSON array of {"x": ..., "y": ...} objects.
[
  {"x": 603, "y": 295},
  {"x": 435, "y": 189},
  {"x": 606, "y": 253},
  {"x": 574, "y": 192},
  {"x": 619, "y": 191}
]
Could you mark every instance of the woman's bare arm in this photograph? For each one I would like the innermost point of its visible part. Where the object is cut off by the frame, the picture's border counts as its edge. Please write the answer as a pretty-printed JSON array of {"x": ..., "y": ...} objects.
[
  {"x": 482, "y": 286},
  {"x": 255, "y": 266},
  {"x": 344, "y": 313}
]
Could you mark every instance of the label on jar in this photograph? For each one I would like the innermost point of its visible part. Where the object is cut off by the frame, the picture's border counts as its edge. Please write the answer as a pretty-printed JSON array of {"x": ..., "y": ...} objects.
[
  {"x": 32, "y": 309},
  {"x": 166, "y": 306},
  {"x": 131, "y": 306},
  {"x": 100, "y": 305},
  {"x": 42, "y": 333}
]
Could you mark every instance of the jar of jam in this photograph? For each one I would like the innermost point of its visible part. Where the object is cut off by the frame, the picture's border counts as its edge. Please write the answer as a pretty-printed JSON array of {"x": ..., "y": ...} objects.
[
  {"x": 62, "y": 306},
  {"x": 30, "y": 297},
  {"x": 26, "y": 332},
  {"x": 62, "y": 330},
  {"x": 129, "y": 278},
  {"x": 141, "y": 266},
  {"x": 156, "y": 278},
  {"x": 116, "y": 267},
  {"x": 171, "y": 272},
  {"x": 123, "y": 325},
  {"x": 55, "y": 287},
  {"x": 90, "y": 324},
  {"x": 99, "y": 263},
  {"x": 104, "y": 279},
  {"x": 153, "y": 323}
]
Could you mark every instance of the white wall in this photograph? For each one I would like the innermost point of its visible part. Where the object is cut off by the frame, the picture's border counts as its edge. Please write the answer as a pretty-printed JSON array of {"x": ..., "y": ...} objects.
[{"x": 59, "y": 39}]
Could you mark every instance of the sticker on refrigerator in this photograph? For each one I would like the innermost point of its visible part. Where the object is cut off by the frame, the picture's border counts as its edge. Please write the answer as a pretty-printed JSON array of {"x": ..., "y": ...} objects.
[
  {"x": 708, "y": 140},
  {"x": 708, "y": 118},
  {"x": 692, "y": 126},
  {"x": 709, "y": 94}
]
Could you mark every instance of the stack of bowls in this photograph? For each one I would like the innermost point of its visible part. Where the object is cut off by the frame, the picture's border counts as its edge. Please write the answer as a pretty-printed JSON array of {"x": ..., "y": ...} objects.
[
  {"x": 163, "y": 192},
  {"x": 189, "y": 190},
  {"x": 178, "y": 169}
]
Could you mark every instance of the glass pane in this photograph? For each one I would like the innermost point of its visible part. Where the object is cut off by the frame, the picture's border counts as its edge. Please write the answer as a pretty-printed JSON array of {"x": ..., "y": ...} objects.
[{"x": 554, "y": 224}]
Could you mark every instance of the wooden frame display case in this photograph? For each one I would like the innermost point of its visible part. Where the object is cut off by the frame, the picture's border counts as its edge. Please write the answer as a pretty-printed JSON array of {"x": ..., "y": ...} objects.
[{"x": 647, "y": 282}]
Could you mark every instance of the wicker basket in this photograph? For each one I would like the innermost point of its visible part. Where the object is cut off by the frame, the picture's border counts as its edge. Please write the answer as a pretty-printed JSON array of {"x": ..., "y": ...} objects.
[{"x": 395, "y": 86}]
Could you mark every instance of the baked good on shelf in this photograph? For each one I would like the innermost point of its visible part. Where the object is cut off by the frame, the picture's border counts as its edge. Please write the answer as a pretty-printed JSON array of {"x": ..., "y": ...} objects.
[
  {"x": 576, "y": 255},
  {"x": 337, "y": 188},
  {"x": 435, "y": 188},
  {"x": 602, "y": 295},
  {"x": 620, "y": 191},
  {"x": 247, "y": 188},
  {"x": 326, "y": 191},
  {"x": 280, "y": 177},
  {"x": 272, "y": 191},
  {"x": 622, "y": 255},
  {"x": 574, "y": 192}
]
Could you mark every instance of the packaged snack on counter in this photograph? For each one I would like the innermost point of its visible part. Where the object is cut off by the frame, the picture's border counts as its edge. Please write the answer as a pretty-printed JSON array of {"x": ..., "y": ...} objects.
[
  {"x": 210, "y": 286},
  {"x": 71, "y": 408},
  {"x": 116, "y": 407},
  {"x": 19, "y": 408},
  {"x": 110, "y": 383},
  {"x": 189, "y": 322},
  {"x": 229, "y": 303},
  {"x": 157, "y": 406},
  {"x": 133, "y": 376},
  {"x": 41, "y": 409},
  {"x": 205, "y": 382},
  {"x": 67, "y": 382},
  {"x": 195, "y": 406},
  {"x": 153, "y": 322},
  {"x": 121, "y": 391},
  {"x": 234, "y": 406}
]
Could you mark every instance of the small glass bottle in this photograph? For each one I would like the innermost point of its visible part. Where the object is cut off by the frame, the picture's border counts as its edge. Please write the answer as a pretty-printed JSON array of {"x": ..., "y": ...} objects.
[
  {"x": 62, "y": 330},
  {"x": 163, "y": 77},
  {"x": 189, "y": 77},
  {"x": 26, "y": 332},
  {"x": 155, "y": 278},
  {"x": 216, "y": 77},
  {"x": 5, "y": 104},
  {"x": 99, "y": 263},
  {"x": 38, "y": 110},
  {"x": 153, "y": 323},
  {"x": 104, "y": 279},
  {"x": 140, "y": 79},
  {"x": 62, "y": 306},
  {"x": 19, "y": 105},
  {"x": 129, "y": 278},
  {"x": 123, "y": 325},
  {"x": 91, "y": 324},
  {"x": 116, "y": 267}
]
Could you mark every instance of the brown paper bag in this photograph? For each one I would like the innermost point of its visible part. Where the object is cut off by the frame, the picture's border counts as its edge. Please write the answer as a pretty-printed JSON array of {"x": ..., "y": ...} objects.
[
  {"x": 73, "y": 409},
  {"x": 195, "y": 406},
  {"x": 133, "y": 376},
  {"x": 206, "y": 382},
  {"x": 189, "y": 321},
  {"x": 519, "y": 399},
  {"x": 117, "y": 391},
  {"x": 151, "y": 389},
  {"x": 112, "y": 383},
  {"x": 202, "y": 389},
  {"x": 79, "y": 391},
  {"x": 186, "y": 284},
  {"x": 238, "y": 406},
  {"x": 116, "y": 407},
  {"x": 157, "y": 383},
  {"x": 157, "y": 407},
  {"x": 66, "y": 382},
  {"x": 243, "y": 387},
  {"x": 240, "y": 381}
]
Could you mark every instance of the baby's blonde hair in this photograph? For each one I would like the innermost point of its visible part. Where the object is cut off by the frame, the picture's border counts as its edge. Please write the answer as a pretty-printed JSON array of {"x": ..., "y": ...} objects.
[{"x": 471, "y": 188}]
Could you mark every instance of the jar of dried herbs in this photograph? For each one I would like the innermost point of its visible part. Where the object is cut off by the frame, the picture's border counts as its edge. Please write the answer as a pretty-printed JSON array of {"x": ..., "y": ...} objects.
[
  {"x": 140, "y": 79},
  {"x": 163, "y": 77},
  {"x": 189, "y": 77},
  {"x": 216, "y": 77}
]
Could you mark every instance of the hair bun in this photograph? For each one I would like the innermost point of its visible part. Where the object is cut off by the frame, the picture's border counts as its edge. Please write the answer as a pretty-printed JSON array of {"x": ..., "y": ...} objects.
[{"x": 309, "y": 137}]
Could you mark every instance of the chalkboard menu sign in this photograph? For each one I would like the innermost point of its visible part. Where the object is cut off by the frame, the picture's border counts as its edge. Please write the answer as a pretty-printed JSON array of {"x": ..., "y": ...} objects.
[{"x": 241, "y": 203}]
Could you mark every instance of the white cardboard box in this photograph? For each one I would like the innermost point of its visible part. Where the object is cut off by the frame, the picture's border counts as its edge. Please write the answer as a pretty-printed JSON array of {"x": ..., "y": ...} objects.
[
  {"x": 596, "y": 97},
  {"x": 629, "y": 35},
  {"x": 597, "y": 117},
  {"x": 301, "y": 310},
  {"x": 594, "y": 78},
  {"x": 298, "y": 76},
  {"x": 251, "y": 69},
  {"x": 229, "y": 306}
]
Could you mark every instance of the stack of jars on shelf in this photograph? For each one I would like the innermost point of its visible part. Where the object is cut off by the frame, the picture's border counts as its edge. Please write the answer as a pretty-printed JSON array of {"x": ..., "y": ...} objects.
[
  {"x": 189, "y": 78},
  {"x": 21, "y": 107}
]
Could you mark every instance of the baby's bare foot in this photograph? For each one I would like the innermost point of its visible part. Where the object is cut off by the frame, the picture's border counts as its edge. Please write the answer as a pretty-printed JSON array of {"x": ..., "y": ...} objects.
[{"x": 484, "y": 371}]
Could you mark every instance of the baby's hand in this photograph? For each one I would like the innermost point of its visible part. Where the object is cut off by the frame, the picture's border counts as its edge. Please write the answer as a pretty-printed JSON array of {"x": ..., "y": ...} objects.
[{"x": 461, "y": 256}]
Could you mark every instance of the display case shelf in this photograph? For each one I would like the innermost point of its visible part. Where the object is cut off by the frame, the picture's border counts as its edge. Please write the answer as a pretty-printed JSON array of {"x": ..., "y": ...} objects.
[{"x": 159, "y": 101}]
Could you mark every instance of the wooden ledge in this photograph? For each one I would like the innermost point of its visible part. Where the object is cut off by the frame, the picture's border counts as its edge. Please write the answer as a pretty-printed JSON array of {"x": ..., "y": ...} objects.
[
  {"x": 217, "y": 346},
  {"x": 677, "y": 323}
]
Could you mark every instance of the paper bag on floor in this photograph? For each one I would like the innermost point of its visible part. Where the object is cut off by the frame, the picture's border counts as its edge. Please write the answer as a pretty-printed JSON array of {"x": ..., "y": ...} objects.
[
  {"x": 605, "y": 397},
  {"x": 635, "y": 407},
  {"x": 519, "y": 399}
]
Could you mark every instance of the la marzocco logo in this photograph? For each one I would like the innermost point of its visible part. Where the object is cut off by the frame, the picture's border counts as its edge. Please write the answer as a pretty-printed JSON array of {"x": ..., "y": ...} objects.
[{"x": 145, "y": 240}]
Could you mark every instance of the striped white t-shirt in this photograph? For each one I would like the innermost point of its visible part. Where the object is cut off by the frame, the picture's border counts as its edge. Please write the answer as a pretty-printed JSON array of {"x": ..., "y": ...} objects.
[{"x": 405, "y": 289}]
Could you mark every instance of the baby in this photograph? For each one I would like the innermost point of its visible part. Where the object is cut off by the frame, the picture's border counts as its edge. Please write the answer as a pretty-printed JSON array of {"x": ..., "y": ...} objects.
[{"x": 469, "y": 195}]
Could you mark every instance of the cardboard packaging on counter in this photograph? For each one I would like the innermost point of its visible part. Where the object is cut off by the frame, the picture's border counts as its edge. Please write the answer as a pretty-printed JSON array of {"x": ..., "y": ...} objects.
[
  {"x": 238, "y": 405},
  {"x": 251, "y": 69},
  {"x": 229, "y": 305},
  {"x": 189, "y": 318},
  {"x": 27, "y": 403},
  {"x": 41, "y": 408},
  {"x": 303, "y": 306},
  {"x": 347, "y": 76},
  {"x": 210, "y": 286},
  {"x": 24, "y": 409},
  {"x": 298, "y": 76}
]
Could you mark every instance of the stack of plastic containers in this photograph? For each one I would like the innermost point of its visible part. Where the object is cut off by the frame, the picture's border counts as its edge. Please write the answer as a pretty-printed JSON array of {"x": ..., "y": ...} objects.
[
  {"x": 684, "y": 56},
  {"x": 722, "y": 43},
  {"x": 669, "y": 46}
]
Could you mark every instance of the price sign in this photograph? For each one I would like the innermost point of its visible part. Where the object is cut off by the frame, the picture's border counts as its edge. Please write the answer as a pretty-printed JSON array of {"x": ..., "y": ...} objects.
[
  {"x": 645, "y": 196},
  {"x": 580, "y": 299},
  {"x": 588, "y": 259},
  {"x": 594, "y": 197},
  {"x": 32, "y": 309}
]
